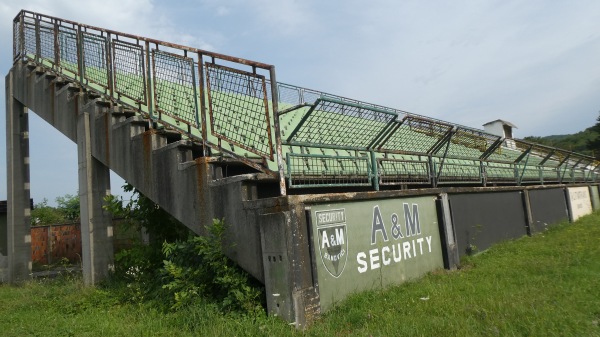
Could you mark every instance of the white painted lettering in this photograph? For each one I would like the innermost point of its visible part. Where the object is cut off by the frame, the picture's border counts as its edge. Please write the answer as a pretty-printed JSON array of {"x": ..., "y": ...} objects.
[
  {"x": 377, "y": 226},
  {"x": 360, "y": 258},
  {"x": 428, "y": 238},
  {"x": 420, "y": 242},
  {"x": 385, "y": 259},
  {"x": 374, "y": 256},
  {"x": 339, "y": 236},
  {"x": 325, "y": 240},
  {"x": 406, "y": 248},
  {"x": 397, "y": 258}
]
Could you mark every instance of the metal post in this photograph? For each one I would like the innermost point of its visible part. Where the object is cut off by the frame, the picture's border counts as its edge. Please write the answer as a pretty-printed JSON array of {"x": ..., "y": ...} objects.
[
  {"x": 375, "y": 171},
  {"x": 278, "y": 148},
  {"x": 204, "y": 127},
  {"x": 149, "y": 87},
  {"x": 80, "y": 55}
]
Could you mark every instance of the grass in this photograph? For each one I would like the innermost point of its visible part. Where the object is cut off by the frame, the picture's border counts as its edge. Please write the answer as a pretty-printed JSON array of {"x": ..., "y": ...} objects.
[{"x": 545, "y": 285}]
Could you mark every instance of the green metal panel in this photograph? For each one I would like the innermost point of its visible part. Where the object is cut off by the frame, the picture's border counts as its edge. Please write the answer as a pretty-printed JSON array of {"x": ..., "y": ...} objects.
[{"x": 368, "y": 244}]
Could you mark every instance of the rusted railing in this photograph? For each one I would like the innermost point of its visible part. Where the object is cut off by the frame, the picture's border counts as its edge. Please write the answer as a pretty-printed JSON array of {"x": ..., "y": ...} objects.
[{"x": 221, "y": 102}]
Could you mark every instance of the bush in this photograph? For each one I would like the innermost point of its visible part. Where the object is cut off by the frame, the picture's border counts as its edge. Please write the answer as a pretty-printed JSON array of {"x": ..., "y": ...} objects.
[
  {"x": 179, "y": 268},
  {"x": 198, "y": 268}
]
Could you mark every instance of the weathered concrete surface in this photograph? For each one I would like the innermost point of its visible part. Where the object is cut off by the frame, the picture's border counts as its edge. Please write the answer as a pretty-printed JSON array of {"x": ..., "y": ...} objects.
[
  {"x": 96, "y": 223},
  {"x": 18, "y": 194},
  {"x": 3, "y": 268}
]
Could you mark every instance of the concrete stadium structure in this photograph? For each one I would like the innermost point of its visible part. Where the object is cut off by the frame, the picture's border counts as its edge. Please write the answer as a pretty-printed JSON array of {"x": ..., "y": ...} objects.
[{"x": 324, "y": 196}]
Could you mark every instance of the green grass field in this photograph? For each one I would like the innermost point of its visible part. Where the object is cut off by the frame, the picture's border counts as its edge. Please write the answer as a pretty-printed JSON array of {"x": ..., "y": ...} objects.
[{"x": 545, "y": 285}]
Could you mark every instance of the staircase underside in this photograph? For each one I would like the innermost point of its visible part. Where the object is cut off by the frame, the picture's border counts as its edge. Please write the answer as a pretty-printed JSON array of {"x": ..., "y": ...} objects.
[{"x": 160, "y": 163}]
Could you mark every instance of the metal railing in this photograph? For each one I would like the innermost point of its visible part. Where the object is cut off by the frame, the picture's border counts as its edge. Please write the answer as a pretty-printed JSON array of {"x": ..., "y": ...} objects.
[
  {"x": 304, "y": 137},
  {"x": 219, "y": 101},
  {"x": 452, "y": 153}
]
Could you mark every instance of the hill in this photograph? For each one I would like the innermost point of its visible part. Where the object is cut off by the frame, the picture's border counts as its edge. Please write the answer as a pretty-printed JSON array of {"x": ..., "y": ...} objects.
[{"x": 577, "y": 142}]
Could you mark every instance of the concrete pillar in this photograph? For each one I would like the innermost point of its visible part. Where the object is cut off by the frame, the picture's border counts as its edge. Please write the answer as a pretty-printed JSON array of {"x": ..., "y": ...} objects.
[
  {"x": 449, "y": 246},
  {"x": 18, "y": 194},
  {"x": 96, "y": 223}
]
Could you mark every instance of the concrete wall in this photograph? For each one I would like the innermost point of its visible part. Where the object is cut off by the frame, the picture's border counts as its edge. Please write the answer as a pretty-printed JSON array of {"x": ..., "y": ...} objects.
[{"x": 49, "y": 244}]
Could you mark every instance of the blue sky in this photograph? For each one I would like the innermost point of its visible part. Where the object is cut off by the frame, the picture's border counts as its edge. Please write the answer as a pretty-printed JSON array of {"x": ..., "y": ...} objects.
[{"x": 533, "y": 63}]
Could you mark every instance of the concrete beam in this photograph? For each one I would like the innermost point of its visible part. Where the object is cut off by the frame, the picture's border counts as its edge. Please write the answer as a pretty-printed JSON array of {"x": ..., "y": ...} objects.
[
  {"x": 18, "y": 194},
  {"x": 96, "y": 223}
]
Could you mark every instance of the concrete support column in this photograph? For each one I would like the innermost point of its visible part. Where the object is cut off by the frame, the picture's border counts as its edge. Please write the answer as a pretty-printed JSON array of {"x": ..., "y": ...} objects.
[
  {"x": 96, "y": 223},
  {"x": 449, "y": 246},
  {"x": 18, "y": 193}
]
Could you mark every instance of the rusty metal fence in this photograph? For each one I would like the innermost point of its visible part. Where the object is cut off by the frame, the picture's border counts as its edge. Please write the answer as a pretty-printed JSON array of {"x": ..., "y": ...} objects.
[
  {"x": 174, "y": 85},
  {"x": 305, "y": 138}
]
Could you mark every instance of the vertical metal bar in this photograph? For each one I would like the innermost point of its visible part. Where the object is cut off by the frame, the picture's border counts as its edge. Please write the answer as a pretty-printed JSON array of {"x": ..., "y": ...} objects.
[
  {"x": 288, "y": 162},
  {"x": 56, "y": 47},
  {"x": 22, "y": 35},
  {"x": 195, "y": 87},
  {"x": 38, "y": 48},
  {"x": 482, "y": 173},
  {"x": 204, "y": 127},
  {"x": 375, "y": 170},
  {"x": 431, "y": 169},
  {"x": 109, "y": 69},
  {"x": 15, "y": 36},
  {"x": 80, "y": 55},
  {"x": 149, "y": 84},
  {"x": 278, "y": 148}
]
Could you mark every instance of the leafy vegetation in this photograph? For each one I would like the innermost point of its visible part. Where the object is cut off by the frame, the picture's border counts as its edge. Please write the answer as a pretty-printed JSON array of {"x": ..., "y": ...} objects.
[
  {"x": 545, "y": 285},
  {"x": 178, "y": 269},
  {"x": 584, "y": 142},
  {"x": 67, "y": 211}
]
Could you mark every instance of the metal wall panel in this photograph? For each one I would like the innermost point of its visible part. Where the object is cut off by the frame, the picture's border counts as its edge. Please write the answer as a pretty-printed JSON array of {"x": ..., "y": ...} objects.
[
  {"x": 482, "y": 219},
  {"x": 363, "y": 245},
  {"x": 548, "y": 207}
]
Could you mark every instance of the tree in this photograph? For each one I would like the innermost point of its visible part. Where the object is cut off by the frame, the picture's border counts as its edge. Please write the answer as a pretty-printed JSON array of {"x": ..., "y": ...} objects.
[
  {"x": 141, "y": 212},
  {"x": 42, "y": 214},
  {"x": 67, "y": 210},
  {"x": 69, "y": 206},
  {"x": 594, "y": 144}
]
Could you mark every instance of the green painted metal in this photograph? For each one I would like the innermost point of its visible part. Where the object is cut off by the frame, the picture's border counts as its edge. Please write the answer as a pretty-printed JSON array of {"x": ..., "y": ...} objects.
[
  {"x": 262, "y": 123},
  {"x": 371, "y": 244}
]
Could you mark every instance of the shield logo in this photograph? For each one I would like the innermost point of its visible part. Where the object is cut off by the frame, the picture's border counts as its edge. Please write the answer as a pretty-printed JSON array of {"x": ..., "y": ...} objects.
[{"x": 333, "y": 248}]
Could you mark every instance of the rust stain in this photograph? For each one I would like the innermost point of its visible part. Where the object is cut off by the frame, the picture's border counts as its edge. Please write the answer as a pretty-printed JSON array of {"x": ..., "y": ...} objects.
[
  {"x": 203, "y": 208},
  {"x": 107, "y": 140},
  {"x": 147, "y": 154}
]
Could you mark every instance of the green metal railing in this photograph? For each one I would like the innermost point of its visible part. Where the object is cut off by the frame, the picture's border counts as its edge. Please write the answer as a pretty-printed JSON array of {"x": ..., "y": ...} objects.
[{"x": 302, "y": 137}]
